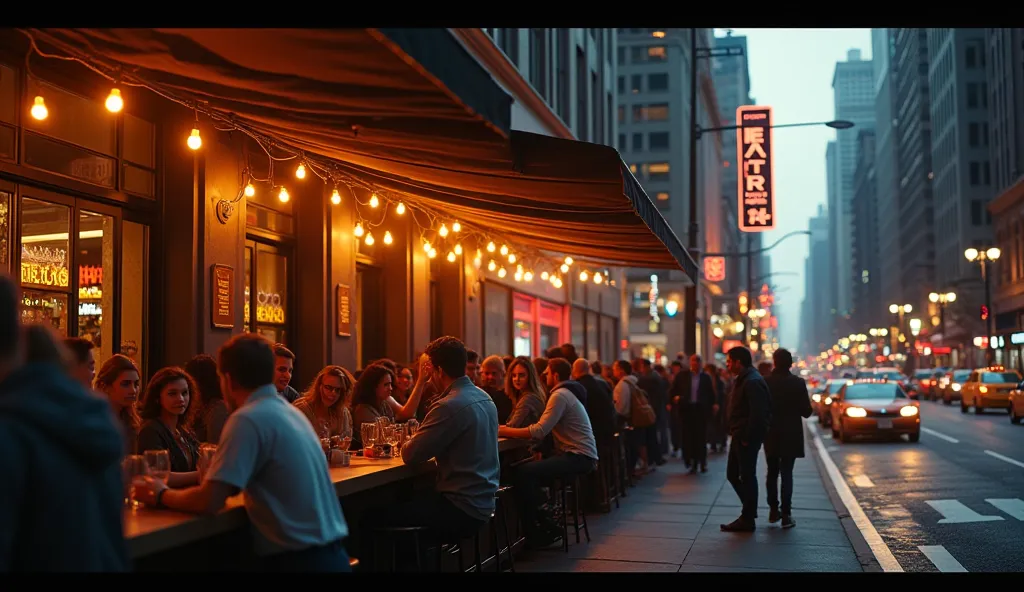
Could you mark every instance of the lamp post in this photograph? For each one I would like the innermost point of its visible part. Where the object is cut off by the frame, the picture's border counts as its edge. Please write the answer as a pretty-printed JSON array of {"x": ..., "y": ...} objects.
[
  {"x": 942, "y": 300},
  {"x": 983, "y": 257},
  {"x": 899, "y": 310}
]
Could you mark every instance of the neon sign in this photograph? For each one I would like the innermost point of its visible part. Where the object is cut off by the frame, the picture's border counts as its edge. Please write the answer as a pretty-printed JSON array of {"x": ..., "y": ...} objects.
[
  {"x": 44, "y": 266},
  {"x": 755, "y": 181}
]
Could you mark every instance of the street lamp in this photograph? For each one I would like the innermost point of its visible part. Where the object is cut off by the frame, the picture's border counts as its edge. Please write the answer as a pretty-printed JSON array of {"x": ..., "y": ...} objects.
[
  {"x": 942, "y": 300},
  {"x": 899, "y": 310},
  {"x": 983, "y": 257}
]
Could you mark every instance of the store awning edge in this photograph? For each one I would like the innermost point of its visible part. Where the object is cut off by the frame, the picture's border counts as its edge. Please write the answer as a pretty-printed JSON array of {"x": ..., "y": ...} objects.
[{"x": 649, "y": 213}]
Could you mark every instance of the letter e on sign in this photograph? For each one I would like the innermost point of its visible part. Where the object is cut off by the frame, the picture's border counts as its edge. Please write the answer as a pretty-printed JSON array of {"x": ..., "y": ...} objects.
[{"x": 755, "y": 190}]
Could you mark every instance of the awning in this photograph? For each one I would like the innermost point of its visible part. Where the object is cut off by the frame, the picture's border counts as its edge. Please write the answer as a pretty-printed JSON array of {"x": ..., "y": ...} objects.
[{"x": 411, "y": 111}]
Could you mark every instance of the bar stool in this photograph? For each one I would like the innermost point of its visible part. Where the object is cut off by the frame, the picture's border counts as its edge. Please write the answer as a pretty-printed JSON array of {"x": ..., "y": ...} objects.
[
  {"x": 422, "y": 538},
  {"x": 500, "y": 508},
  {"x": 625, "y": 477},
  {"x": 609, "y": 467},
  {"x": 570, "y": 484}
]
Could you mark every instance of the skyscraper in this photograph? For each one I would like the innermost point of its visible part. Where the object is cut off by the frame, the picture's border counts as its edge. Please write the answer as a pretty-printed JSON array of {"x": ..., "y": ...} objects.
[
  {"x": 830, "y": 280},
  {"x": 816, "y": 329},
  {"x": 886, "y": 181},
  {"x": 867, "y": 304},
  {"x": 1005, "y": 77}
]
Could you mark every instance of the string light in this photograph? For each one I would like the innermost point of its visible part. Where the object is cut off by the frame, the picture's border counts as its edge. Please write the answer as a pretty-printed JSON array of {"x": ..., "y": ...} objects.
[
  {"x": 518, "y": 276},
  {"x": 369, "y": 239},
  {"x": 490, "y": 247},
  {"x": 597, "y": 278},
  {"x": 39, "y": 110},
  {"x": 283, "y": 195},
  {"x": 359, "y": 229},
  {"x": 504, "y": 250},
  {"x": 249, "y": 190},
  {"x": 511, "y": 258},
  {"x": 492, "y": 265},
  {"x": 443, "y": 231},
  {"x": 477, "y": 261},
  {"x": 336, "y": 197},
  {"x": 451, "y": 256},
  {"x": 502, "y": 273},
  {"x": 195, "y": 141},
  {"x": 458, "y": 249},
  {"x": 433, "y": 253},
  {"x": 544, "y": 275},
  {"x": 374, "y": 201},
  {"x": 426, "y": 246},
  {"x": 387, "y": 238},
  {"x": 300, "y": 171},
  {"x": 583, "y": 276},
  {"x": 114, "y": 102},
  {"x": 400, "y": 209},
  {"x": 568, "y": 260},
  {"x": 565, "y": 268},
  {"x": 456, "y": 227},
  {"x": 528, "y": 276}
]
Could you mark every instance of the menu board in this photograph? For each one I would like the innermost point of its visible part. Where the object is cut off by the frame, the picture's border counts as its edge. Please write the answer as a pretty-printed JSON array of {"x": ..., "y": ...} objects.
[
  {"x": 223, "y": 292},
  {"x": 344, "y": 310}
]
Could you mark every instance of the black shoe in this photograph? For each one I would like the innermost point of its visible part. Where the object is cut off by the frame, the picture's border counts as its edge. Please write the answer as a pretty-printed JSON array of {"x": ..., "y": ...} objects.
[
  {"x": 787, "y": 521},
  {"x": 774, "y": 515},
  {"x": 703, "y": 468},
  {"x": 693, "y": 470},
  {"x": 739, "y": 525}
]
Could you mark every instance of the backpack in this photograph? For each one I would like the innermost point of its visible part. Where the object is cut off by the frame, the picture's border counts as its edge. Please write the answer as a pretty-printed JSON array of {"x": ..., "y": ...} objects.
[{"x": 641, "y": 414}]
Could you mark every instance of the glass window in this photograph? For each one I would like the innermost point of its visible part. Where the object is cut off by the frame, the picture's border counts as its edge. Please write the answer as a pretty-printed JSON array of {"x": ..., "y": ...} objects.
[
  {"x": 45, "y": 262},
  {"x": 607, "y": 349},
  {"x": 46, "y": 308},
  {"x": 662, "y": 196},
  {"x": 73, "y": 119},
  {"x": 139, "y": 141},
  {"x": 638, "y": 142},
  {"x": 635, "y": 82},
  {"x": 138, "y": 181},
  {"x": 134, "y": 257},
  {"x": 6, "y": 142},
  {"x": 247, "y": 291},
  {"x": 873, "y": 390},
  {"x": 1000, "y": 377},
  {"x": 497, "y": 303},
  {"x": 522, "y": 344},
  {"x": 657, "y": 82},
  {"x": 658, "y": 141},
  {"x": 43, "y": 153},
  {"x": 271, "y": 295},
  {"x": 5, "y": 229},
  {"x": 656, "y": 53},
  {"x": 592, "y": 337},
  {"x": 576, "y": 327},
  {"x": 95, "y": 258},
  {"x": 657, "y": 112}
]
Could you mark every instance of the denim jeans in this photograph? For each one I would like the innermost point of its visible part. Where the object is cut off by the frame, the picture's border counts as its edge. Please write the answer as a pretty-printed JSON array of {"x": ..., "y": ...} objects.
[
  {"x": 329, "y": 558},
  {"x": 742, "y": 474},
  {"x": 785, "y": 466},
  {"x": 529, "y": 478}
]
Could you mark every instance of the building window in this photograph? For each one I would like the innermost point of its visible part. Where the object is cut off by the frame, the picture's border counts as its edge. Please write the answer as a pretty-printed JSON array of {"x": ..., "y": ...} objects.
[
  {"x": 658, "y": 141},
  {"x": 974, "y": 175},
  {"x": 622, "y": 114},
  {"x": 46, "y": 263},
  {"x": 656, "y": 53},
  {"x": 969, "y": 56},
  {"x": 510, "y": 44},
  {"x": 661, "y": 196},
  {"x": 638, "y": 142},
  {"x": 972, "y": 95},
  {"x": 621, "y": 56},
  {"x": 622, "y": 85},
  {"x": 657, "y": 82},
  {"x": 972, "y": 135},
  {"x": 976, "y": 211},
  {"x": 637, "y": 55},
  {"x": 582, "y": 119},
  {"x": 653, "y": 112},
  {"x": 656, "y": 172},
  {"x": 564, "y": 59},
  {"x": 539, "y": 61},
  {"x": 986, "y": 178},
  {"x": 622, "y": 142},
  {"x": 634, "y": 83}
]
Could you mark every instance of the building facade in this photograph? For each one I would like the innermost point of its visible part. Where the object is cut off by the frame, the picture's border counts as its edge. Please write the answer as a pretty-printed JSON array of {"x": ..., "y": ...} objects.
[
  {"x": 886, "y": 181},
  {"x": 866, "y": 294},
  {"x": 833, "y": 178},
  {"x": 817, "y": 327}
]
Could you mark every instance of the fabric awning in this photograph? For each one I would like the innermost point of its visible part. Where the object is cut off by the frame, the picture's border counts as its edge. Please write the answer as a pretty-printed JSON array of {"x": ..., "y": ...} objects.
[{"x": 411, "y": 111}]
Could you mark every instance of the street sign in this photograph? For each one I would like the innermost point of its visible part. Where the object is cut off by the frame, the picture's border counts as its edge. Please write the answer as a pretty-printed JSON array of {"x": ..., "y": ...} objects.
[
  {"x": 755, "y": 183},
  {"x": 714, "y": 269}
]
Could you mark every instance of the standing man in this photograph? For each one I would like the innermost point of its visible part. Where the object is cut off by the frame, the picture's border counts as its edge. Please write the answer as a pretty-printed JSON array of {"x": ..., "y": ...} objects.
[
  {"x": 785, "y": 441},
  {"x": 657, "y": 390},
  {"x": 694, "y": 393},
  {"x": 749, "y": 416}
]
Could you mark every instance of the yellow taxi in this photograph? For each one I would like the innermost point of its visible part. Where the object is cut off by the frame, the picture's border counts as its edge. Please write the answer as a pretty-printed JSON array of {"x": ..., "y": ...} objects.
[
  {"x": 874, "y": 407},
  {"x": 988, "y": 388},
  {"x": 1017, "y": 404}
]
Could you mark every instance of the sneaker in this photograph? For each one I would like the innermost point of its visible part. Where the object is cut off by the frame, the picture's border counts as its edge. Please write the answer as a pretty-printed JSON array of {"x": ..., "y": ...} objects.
[
  {"x": 788, "y": 522},
  {"x": 774, "y": 515},
  {"x": 739, "y": 525}
]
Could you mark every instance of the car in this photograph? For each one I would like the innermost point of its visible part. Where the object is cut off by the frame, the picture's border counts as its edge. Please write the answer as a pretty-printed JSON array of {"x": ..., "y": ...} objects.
[
  {"x": 1017, "y": 404},
  {"x": 875, "y": 408},
  {"x": 816, "y": 392},
  {"x": 825, "y": 399},
  {"x": 951, "y": 391},
  {"x": 988, "y": 388},
  {"x": 925, "y": 382}
]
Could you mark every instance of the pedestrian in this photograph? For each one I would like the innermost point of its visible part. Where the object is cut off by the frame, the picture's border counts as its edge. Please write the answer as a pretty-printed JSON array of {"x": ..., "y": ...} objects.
[
  {"x": 749, "y": 416},
  {"x": 785, "y": 440},
  {"x": 764, "y": 368},
  {"x": 716, "y": 434},
  {"x": 657, "y": 389},
  {"x": 694, "y": 393}
]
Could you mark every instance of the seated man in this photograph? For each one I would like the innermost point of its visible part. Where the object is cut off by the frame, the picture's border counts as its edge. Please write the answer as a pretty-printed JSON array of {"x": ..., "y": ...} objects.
[
  {"x": 460, "y": 431},
  {"x": 576, "y": 451}
]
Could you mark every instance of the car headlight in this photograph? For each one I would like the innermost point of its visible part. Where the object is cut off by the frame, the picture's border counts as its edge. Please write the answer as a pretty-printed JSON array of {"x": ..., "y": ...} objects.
[
  {"x": 908, "y": 411},
  {"x": 956, "y": 387},
  {"x": 816, "y": 398},
  {"x": 856, "y": 412},
  {"x": 982, "y": 389},
  {"x": 828, "y": 400}
]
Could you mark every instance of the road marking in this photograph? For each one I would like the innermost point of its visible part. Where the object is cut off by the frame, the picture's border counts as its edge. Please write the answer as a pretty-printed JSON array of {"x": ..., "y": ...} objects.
[
  {"x": 954, "y": 512},
  {"x": 940, "y": 435},
  {"x": 939, "y": 556},
  {"x": 832, "y": 448},
  {"x": 1005, "y": 458},
  {"x": 1014, "y": 507},
  {"x": 826, "y": 436},
  {"x": 862, "y": 481},
  {"x": 882, "y": 553}
]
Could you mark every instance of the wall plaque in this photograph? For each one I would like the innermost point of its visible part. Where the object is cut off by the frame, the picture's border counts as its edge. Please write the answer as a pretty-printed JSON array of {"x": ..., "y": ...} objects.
[
  {"x": 343, "y": 303},
  {"x": 223, "y": 292}
]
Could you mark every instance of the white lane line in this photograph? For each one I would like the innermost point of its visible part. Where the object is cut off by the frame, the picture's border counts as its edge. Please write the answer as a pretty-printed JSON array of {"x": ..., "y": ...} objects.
[
  {"x": 862, "y": 481},
  {"x": 939, "y": 556},
  {"x": 955, "y": 512},
  {"x": 1005, "y": 458},
  {"x": 882, "y": 553},
  {"x": 1014, "y": 507},
  {"x": 832, "y": 449},
  {"x": 940, "y": 435}
]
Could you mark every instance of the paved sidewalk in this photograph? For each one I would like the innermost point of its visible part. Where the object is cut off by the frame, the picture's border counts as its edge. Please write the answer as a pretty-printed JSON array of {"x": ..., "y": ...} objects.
[{"x": 670, "y": 522}]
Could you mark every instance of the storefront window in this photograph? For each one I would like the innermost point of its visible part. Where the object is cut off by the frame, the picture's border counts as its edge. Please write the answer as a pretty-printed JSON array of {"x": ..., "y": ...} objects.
[
  {"x": 497, "y": 303},
  {"x": 5, "y": 229},
  {"x": 134, "y": 255},
  {"x": 73, "y": 119},
  {"x": 247, "y": 291},
  {"x": 550, "y": 318},
  {"x": 577, "y": 326},
  {"x": 95, "y": 258},
  {"x": 522, "y": 343},
  {"x": 592, "y": 339},
  {"x": 271, "y": 295},
  {"x": 45, "y": 262}
]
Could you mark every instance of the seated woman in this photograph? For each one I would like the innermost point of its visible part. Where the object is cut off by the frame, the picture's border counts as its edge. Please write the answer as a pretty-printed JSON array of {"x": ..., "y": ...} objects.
[
  {"x": 403, "y": 386},
  {"x": 211, "y": 410},
  {"x": 118, "y": 379},
  {"x": 370, "y": 400},
  {"x": 522, "y": 386},
  {"x": 326, "y": 402},
  {"x": 165, "y": 413}
]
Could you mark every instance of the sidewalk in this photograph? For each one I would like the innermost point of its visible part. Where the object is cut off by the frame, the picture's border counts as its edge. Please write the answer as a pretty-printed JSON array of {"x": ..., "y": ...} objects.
[{"x": 670, "y": 523}]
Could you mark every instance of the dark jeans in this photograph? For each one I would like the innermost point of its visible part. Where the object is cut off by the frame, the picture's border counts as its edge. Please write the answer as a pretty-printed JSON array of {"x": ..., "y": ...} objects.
[
  {"x": 742, "y": 474},
  {"x": 654, "y": 454},
  {"x": 634, "y": 440},
  {"x": 329, "y": 558},
  {"x": 529, "y": 477},
  {"x": 785, "y": 466},
  {"x": 695, "y": 437}
]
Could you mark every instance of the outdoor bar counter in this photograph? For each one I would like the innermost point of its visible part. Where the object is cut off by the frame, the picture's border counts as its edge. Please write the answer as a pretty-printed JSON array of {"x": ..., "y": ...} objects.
[{"x": 159, "y": 536}]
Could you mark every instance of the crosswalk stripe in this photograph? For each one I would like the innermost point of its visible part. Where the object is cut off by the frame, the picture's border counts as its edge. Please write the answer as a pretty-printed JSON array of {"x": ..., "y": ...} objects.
[
  {"x": 955, "y": 512},
  {"x": 1014, "y": 507},
  {"x": 941, "y": 558}
]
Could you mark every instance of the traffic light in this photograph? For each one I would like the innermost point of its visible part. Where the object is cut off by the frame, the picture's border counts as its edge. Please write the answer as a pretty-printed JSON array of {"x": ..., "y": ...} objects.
[{"x": 984, "y": 312}]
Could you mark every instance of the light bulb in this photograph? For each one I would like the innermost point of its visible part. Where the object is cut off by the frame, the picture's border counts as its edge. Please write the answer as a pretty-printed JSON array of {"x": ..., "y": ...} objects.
[
  {"x": 559, "y": 284},
  {"x": 39, "y": 110},
  {"x": 451, "y": 256},
  {"x": 583, "y": 276},
  {"x": 553, "y": 279},
  {"x": 519, "y": 268},
  {"x": 504, "y": 250},
  {"x": 598, "y": 278},
  {"x": 568, "y": 260},
  {"x": 477, "y": 262},
  {"x": 387, "y": 238},
  {"x": 518, "y": 276},
  {"x": 528, "y": 276},
  {"x": 490, "y": 247},
  {"x": 456, "y": 227},
  {"x": 479, "y": 254},
  {"x": 426, "y": 246},
  {"x": 565, "y": 268},
  {"x": 300, "y": 171},
  {"x": 369, "y": 239},
  {"x": 432, "y": 253},
  {"x": 400, "y": 209},
  {"x": 443, "y": 231},
  {"x": 359, "y": 229},
  {"x": 335, "y": 197},
  {"x": 458, "y": 249},
  {"x": 374, "y": 202},
  {"x": 544, "y": 275},
  {"x": 249, "y": 190},
  {"x": 283, "y": 195},
  {"x": 492, "y": 265},
  {"x": 195, "y": 141},
  {"x": 502, "y": 273},
  {"x": 114, "y": 101},
  {"x": 511, "y": 258}
]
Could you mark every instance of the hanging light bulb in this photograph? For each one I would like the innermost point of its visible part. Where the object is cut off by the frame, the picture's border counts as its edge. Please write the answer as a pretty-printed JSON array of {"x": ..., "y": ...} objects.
[
  {"x": 335, "y": 197},
  {"x": 518, "y": 276},
  {"x": 433, "y": 253},
  {"x": 528, "y": 276},
  {"x": 443, "y": 231},
  {"x": 583, "y": 276},
  {"x": 249, "y": 190},
  {"x": 519, "y": 268},
  {"x": 502, "y": 273},
  {"x": 458, "y": 249},
  {"x": 568, "y": 260},
  {"x": 369, "y": 239},
  {"x": 300, "y": 171},
  {"x": 39, "y": 110},
  {"x": 598, "y": 278},
  {"x": 400, "y": 209},
  {"x": 359, "y": 229},
  {"x": 490, "y": 247},
  {"x": 479, "y": 254},
  {"x": 553, "y": 279},
  {"x": 558, "y": 282},
  {"x": 387, "y": 238},
  {"x": 451, "y": 256},
  {"x": 456, "y": 227},
  {"x": 492, "y": 265},
  {"x": 114, "y": 101},
  {"x": 283, "y": 195},
  {"x": 544, "y": 275},
  {"x": 374, "y": 202},
  {"x": 477, "y": 261},
  {"x": 504, "y": 250},
  {"x": 195, "y": 141},
  {"x": 565, "y": 268},
  {"x": 511, "y": 258}
]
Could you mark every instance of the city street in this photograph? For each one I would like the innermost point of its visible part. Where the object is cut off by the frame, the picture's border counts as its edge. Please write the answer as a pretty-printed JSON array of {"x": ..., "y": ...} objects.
[{"x": 952, "y": 502}]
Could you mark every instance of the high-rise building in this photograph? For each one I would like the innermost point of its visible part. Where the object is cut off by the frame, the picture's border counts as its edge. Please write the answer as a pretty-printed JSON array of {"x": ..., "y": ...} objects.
[
  {"x": 914, "y": 165},
  {"x": 867, "y": 303},
  {"x": 816, "y": 330},
  {"x": 830, "y": 281},
  {"x": 886, "y": 181},
  {"x": 1005, "y": 81},
  {"x": 853, "y": 86}
]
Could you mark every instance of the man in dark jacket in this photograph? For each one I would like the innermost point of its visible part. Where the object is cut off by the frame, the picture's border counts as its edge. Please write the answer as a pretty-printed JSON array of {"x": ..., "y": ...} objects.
[
  {"x": 61, "y": 482},
  {"x": 785, "y": 440},
  {"x": 598, "y": 401},
  {"x": 657, "y": 390},
  {"x": 694, "y": 393},
  {"x": 749, "y": 417}
]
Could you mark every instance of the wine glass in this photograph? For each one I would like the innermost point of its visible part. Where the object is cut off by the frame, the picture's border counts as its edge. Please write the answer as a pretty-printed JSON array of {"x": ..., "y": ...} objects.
[
  {"x": 206, "y": 453},
  {"x": 134, "y": 469},
  {"x": 159, "y": 462}
]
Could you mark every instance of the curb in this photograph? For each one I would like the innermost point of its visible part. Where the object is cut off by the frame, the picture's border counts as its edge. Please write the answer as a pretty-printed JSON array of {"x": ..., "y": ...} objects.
[{"x": 865, "y": 555}]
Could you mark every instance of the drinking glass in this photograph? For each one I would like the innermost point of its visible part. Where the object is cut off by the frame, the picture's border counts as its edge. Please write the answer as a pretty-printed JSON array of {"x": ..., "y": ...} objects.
[
  {"x": 206, "y": 454},
  {"x": 369, "y": 432},
  {"x": 159, "y": 462},
  {"x": 413, "y": 426},
  {"x": 134, "y": 469},
  {"x": 340, "y": 443}
]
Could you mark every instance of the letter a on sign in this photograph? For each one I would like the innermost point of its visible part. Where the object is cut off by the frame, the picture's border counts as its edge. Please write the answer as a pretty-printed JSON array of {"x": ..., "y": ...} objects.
[{"x": 755, "y": 180}]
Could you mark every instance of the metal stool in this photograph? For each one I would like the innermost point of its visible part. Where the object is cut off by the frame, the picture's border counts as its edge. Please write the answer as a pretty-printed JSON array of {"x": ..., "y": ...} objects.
[
  {"x": 625, "y": 474},
  {"x": 609, "y": 467},
  {"x": 571, "y": 484},
  {"x": 500, "y": 496}
]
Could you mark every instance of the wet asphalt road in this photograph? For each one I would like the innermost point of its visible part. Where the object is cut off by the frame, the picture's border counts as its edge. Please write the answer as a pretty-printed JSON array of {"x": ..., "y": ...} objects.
[{"x": 958, "y": 493}]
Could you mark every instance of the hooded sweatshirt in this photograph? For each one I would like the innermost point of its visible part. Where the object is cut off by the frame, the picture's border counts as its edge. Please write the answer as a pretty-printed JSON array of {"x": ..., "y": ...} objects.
[{"x": 60, "y": 476}]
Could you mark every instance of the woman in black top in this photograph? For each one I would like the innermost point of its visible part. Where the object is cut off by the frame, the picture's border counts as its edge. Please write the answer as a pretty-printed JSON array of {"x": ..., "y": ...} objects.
[{"x": 164, "y": 410}]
